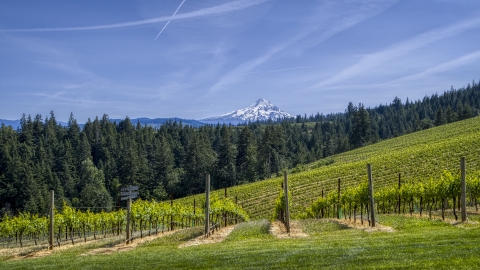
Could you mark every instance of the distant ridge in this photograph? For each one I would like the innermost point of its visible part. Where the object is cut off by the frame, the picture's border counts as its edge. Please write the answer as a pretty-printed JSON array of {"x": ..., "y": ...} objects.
[
  {"x": 13, "y": 123},
  {"x": 261, "y": 110},
  {"x": 155, "y": 123}
]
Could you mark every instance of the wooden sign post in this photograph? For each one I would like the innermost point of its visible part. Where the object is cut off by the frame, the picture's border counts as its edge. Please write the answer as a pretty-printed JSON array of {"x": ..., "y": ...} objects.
[
  {"x": 129, "y": 209},
  {"x": 128, "y": 194}
]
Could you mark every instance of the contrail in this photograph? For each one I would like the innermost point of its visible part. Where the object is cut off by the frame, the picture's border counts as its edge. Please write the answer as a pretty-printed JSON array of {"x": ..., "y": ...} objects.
[
  {"x": 219, "y": 9},
  {"x": 169, "y": 20}
]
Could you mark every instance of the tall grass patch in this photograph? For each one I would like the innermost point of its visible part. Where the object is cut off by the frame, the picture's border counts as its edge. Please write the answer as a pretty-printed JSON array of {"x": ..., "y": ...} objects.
[{"x": 250, "y": 230}]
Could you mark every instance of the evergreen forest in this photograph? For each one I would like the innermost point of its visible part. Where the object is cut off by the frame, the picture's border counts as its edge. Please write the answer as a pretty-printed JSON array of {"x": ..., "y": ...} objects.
[{"x": 87, "y": 165}]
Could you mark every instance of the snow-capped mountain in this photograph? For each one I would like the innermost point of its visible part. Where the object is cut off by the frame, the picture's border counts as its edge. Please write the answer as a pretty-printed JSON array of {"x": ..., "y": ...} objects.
[{"x": 261, "y": 110}]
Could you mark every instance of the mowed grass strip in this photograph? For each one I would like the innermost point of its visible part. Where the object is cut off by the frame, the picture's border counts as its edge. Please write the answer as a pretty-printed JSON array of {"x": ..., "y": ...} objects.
[{"x": 416, "y": 243}]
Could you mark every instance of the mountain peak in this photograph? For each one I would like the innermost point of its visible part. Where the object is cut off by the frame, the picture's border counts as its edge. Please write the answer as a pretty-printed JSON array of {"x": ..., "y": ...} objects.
[
  {"x": 261, "y": 110},
  {"x": 261, "y": 101}
]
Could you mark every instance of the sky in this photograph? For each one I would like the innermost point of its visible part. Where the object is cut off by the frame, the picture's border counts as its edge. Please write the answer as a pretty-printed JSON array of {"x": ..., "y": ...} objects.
[{"x": 199, "y": 59}]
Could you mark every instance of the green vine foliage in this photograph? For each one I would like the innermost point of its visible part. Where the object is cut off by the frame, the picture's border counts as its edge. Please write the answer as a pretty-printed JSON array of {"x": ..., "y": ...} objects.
[
  {"x": 145, "y": 215},
  {"x": 433, "y": 193},
  {"x": 280, "y": 204}
]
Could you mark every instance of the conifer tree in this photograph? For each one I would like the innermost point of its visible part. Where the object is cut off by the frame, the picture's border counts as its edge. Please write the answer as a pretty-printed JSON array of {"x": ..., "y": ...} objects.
[
  {"x": 440, "y": 118},
  {"x": 93, "y": 192},
  {"x": 360, "y": 134},
  {"x": 246, "y": 157},
  {"x": 226, "y": 173}
]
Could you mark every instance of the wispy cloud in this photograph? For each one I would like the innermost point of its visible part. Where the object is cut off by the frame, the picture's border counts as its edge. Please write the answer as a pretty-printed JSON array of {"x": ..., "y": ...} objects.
[
  {"x": 237, "y": 74},
  {"x": 446, "y": 66},
  {"x": 443, "y": 67},
  {"x": 181, "y": 4},
  {"x": 279, "y": 70},
  {"x": 378, "y": 58},
  {"x": 227, "y": 7},
  {"x": 314, "y": 26}
]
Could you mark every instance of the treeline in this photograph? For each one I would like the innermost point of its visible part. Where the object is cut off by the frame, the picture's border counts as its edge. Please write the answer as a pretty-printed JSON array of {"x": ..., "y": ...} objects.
[
  {"x": 86, "y": 167},
  {"x": 397, "y": 118}
]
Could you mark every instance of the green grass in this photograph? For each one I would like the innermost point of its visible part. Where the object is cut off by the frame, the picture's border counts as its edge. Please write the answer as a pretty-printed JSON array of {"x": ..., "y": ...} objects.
[
  {"x": 416, "y": 243},
  {"x": 318, "y": 227},
  {"x": 257, "y": 229},
  {"x": 406, "y": 223},
  {"x": 175, "y": 239}
]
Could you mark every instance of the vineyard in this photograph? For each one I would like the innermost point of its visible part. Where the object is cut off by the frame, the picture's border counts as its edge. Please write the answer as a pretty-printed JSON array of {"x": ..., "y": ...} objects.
[
  {"x": 435, "y": 194},
  {"x": 417, "y": 157},
  {"x": 417, "y": 174},
  {"x": 73, "y": 225},
  {"x": 427, "y": 163}
]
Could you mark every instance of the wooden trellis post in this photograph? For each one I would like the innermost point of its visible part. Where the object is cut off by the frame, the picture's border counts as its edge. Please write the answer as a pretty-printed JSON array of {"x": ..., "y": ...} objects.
[
  {"x": 370, "y": 189},
  {"x": 51, "y": 226},
  {"x": 399, "y": 197},
  {"x": 171, "y": 216},
  {"x": 207, "y": 206},
  {"x": 339, "y": 207},
  {"x": 464, "y": 189},
  {"x": 287, "y": 211}
]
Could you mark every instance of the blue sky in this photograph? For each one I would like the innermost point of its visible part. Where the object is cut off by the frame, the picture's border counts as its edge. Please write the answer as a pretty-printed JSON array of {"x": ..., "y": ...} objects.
[{"x": 134, "y": 58}]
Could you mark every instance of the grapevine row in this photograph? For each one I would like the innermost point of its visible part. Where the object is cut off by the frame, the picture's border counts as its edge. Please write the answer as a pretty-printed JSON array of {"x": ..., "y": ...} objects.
[
  {"x": 146, "y": 216},
  {"x": 439, "y": 193}
]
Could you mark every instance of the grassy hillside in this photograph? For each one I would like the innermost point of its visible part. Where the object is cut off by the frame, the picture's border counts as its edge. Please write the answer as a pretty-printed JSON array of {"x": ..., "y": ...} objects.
[{"x": 415, "y": 156}]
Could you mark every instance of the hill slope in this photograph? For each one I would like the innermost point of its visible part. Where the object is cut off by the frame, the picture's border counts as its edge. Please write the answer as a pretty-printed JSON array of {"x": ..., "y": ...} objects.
[{"x": 417, "y": 156}]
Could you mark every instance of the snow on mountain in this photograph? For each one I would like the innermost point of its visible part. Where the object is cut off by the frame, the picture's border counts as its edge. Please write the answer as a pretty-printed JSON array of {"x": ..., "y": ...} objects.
[{"x": 261, "y": 110}]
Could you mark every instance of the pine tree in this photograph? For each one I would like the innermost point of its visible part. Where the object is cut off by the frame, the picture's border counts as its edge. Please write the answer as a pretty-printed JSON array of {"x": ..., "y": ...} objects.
[
  {"x": 440, "y": 118},
  {"x": 225, "y": 175},
  {"x": 360, "y": 134},
  {"x": 316, "y": 142},
  {"x": 451, "y": 116},
  {"x": 199, "y": 162},
  {"x": 165, "y": 181},
  {"x": 127, "y": 161},
  {"x": 266, "y": 154},
  {"x": 467, "y": 112},
  {"x": 246, "y": 157},
  {"x": 93, "y": 192}
]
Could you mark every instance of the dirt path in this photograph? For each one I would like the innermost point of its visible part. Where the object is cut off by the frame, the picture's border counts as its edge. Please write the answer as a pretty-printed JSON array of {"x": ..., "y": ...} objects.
[
  {"x": 217, "y": 237},
  {"x": 35, "y": 252},
  {"x": 30, "y": 253},
  {"x": 124, "y": 247},
  {"x": 279, "y": 230}
]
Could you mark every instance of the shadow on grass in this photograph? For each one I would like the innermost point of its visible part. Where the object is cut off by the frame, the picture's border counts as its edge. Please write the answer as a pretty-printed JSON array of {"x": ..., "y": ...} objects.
[
  {"x": 175, "y": 238},
  {"x": 321, "y": 226}
]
